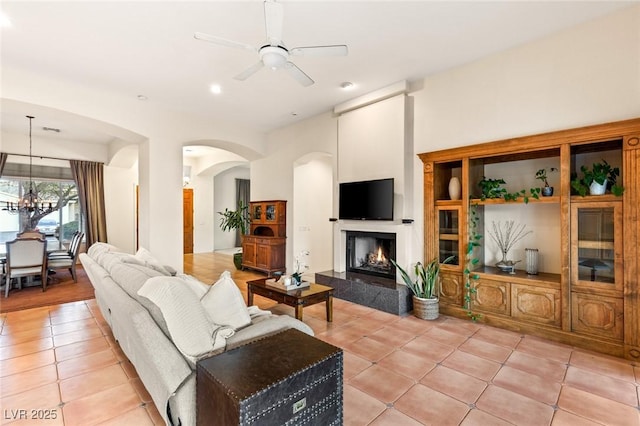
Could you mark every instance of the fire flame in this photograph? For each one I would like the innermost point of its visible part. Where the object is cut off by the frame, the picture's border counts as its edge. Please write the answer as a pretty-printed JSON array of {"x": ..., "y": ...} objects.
[{"x": 380, "y": 257}]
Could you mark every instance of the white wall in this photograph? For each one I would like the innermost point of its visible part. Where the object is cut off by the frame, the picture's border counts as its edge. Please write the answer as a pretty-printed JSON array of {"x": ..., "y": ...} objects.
[
  {"x": 585, "y": 75},
  {"x": 224, "y": 196},
  {"x": 272, "y": 178},
  {"x": 160, "y": 134},
  {"x": 589, "y": 74},
  {"x": 120, "y": 204},
  {"x": 312, "y": 208}
]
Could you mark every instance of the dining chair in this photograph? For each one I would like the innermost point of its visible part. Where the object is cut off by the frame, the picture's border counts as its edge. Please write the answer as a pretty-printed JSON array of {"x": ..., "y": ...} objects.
[
  {"x": 66, "y": 260},
  {"x": 76, "y": 239},
  {"x": 31, "y": 234},
  {"x": 26, "y": 257}
]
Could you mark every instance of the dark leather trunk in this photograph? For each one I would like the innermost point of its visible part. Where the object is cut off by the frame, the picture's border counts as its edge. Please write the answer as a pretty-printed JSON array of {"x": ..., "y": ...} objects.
[{"x": 287, "y": 378}]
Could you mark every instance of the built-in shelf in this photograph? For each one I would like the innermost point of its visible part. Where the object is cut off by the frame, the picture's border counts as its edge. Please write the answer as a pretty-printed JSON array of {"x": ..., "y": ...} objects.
[
  {"x": 448, "y": 203},
  {"x": 520, "y": 200},
  {"x": 589, "y": 244},
  {"x": 598, "y": 245},
  {"x": 541, "y": 277}
]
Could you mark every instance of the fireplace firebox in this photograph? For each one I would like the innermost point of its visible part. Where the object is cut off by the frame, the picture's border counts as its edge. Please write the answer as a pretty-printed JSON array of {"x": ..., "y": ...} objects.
[{"x": 370, "y": 253}]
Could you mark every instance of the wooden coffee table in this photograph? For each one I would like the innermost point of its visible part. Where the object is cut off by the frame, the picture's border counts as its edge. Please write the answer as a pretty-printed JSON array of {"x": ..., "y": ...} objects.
[{"x": 297, "y": 298}]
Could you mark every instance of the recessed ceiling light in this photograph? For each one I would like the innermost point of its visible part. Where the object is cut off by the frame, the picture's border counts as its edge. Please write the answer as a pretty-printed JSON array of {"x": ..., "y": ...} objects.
[
  {"x": 347, "y": 85},
  {"x": 216, "y": 89},
  {"x": 142, "y": 98}
]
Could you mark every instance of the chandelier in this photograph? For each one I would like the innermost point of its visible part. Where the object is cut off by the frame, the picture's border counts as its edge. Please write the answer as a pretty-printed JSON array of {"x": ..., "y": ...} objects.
[{"x": 29, "y": 205}]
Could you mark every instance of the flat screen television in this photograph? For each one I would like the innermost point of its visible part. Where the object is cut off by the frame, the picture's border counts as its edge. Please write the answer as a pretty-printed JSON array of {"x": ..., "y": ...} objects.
[{"x": 366, "y": 200}]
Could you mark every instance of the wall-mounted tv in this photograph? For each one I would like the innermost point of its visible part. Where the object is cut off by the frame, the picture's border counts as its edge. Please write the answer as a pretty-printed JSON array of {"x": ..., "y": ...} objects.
[{"x": 366, "y": 200}]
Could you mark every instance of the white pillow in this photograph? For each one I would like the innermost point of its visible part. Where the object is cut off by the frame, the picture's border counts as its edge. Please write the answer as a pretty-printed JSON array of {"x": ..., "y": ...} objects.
[
  {"x": 225, "y": 305},
  {"x": 191, "y": 331},
  {"x": 194, "y": 284},
  {"x": 151, "y": 262}
]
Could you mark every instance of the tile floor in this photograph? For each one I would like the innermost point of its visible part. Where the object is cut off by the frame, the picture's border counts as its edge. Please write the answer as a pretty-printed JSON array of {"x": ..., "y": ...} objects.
[{"x": 62, "y": 362}]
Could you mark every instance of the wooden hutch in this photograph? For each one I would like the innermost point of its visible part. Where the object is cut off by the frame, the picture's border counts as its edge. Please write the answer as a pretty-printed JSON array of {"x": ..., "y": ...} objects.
[
  {"x": 572, "y": 301},
  {"x": 264, "y": 249}
]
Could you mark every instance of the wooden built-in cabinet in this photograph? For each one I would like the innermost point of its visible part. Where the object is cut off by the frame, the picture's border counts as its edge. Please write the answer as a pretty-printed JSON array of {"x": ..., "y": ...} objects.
[
  {"x": 586, "y": 291},
  {"x": 264, "y": 249}
]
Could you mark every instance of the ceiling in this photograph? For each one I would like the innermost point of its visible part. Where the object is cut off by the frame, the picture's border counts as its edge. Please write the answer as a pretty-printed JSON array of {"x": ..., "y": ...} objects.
[{"x": 147, "y": 48}]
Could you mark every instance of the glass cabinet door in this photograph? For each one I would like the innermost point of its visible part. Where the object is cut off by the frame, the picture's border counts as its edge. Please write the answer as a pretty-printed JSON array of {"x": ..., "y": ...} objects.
[
  {"x": 596, "y": 245},
  {"x": 257, "y": 212},
  {"x": 449, "y": 234},
  {"x": 270, "y": 213}
]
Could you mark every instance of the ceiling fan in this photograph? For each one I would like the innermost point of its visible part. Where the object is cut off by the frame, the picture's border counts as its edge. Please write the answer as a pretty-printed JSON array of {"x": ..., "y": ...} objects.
[{"x": 274, "y": 54}]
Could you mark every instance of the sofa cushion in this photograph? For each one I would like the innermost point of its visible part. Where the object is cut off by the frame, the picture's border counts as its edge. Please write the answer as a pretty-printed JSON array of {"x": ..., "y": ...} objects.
[
  {"x": 192, "y": 332},
  {"x": 100, "y": 248},
  {"x": 225, "y": 305}
]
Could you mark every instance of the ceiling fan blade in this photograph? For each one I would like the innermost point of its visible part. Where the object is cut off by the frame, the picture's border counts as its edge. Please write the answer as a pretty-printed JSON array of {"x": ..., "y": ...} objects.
[
  {"x": 249, "y": 71},
  {"x": 223, "y": 41},
  {"x": 298, "y": 74},
  {"x": 273, "y": 17},
  {"x": 333, "y": 50}
]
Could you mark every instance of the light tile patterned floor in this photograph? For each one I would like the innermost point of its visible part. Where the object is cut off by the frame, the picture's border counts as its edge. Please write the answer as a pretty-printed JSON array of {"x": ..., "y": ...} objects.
[{"x": 62, "y": 361}]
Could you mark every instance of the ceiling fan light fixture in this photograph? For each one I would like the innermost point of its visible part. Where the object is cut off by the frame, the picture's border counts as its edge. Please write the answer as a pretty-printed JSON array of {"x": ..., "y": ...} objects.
[{"x": 273, "y": 57}]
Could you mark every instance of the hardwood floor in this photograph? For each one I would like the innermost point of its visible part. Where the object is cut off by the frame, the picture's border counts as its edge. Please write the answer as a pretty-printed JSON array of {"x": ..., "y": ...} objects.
[
  {"x": 61, "y": 289},
  {"x": 398, "y": 370}
]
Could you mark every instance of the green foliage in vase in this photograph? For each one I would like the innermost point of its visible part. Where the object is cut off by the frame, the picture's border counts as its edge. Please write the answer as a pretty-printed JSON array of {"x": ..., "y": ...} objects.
[
  {"x": 600, "y": 173},
  {"x": 542, "y": 175},
  {"x": 491, "y": 188},
  {"x": 235, "y": 219}
]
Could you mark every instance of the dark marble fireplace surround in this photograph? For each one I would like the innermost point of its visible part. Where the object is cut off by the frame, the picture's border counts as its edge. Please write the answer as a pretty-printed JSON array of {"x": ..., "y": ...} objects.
[{"x": 369, "y": 288}]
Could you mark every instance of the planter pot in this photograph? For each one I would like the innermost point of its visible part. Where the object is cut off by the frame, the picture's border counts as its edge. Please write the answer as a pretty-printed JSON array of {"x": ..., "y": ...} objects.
[
  {"x": 427, "y": 309},
  {"x": 547, "y": 191},
  {"x": 237, "y": 260},
  {"x": 597, "y": 189}
]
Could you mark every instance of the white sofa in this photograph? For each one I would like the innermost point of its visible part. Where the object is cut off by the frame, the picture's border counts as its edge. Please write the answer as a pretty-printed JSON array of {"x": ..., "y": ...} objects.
[{"x": 164, "y": 338}]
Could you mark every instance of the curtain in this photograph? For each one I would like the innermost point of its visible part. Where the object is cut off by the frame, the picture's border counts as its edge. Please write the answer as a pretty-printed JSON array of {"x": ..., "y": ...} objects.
[
  {"x": 3, "y": 161},
  {"x": 89, "y": 179},
  {"x": 243, "y": 187}
]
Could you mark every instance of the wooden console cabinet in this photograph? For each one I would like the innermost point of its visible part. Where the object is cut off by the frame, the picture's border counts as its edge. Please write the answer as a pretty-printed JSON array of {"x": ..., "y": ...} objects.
[
  {"x": 586, "y": 292},
  {"x": 264, "y": 249}
]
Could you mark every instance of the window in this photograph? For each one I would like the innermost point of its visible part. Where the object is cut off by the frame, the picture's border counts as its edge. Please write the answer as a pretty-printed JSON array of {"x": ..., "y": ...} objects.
[{"x": 58, "y": 226}]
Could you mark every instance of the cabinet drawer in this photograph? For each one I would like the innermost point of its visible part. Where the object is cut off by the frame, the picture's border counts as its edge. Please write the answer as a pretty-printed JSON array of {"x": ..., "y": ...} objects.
[
  {"x": 599, "y": 315},
  {"x": 493, "y": 296},
  {"x": 451, "y": 288},
  {"x": 537, "y": 304}
]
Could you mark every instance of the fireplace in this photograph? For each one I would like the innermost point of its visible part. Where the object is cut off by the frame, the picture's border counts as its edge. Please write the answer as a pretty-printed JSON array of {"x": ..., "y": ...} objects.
[{"x": 370, "y": 253}]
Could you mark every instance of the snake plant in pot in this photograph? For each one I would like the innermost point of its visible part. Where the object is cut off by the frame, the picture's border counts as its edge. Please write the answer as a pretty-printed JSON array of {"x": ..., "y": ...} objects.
[{"x": 424, "y": 287}]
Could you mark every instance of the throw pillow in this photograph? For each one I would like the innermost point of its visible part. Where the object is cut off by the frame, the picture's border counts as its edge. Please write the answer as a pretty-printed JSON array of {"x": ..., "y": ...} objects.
[
  {"x": 194, "y": 284},
  {"x": 225, "y": 305},
  {"x": 151, "y": 262},
  {"x": 191, "y": 331}
]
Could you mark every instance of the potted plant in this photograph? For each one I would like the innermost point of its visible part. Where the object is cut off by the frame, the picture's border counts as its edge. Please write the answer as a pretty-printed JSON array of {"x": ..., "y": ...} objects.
[
  {"x": 547, "y": 191},
  {"x": 491, "y": 188},
  {"x": 597, "y": 179},
  {"x": 424, "y": 287},
  {"x": 236, "y": 219}
]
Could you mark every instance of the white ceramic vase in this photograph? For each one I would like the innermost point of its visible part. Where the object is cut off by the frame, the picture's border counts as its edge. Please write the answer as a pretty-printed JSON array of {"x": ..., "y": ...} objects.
[
  {"x": 454, "y": 188},
  {"x": 597, "y": 189}
]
